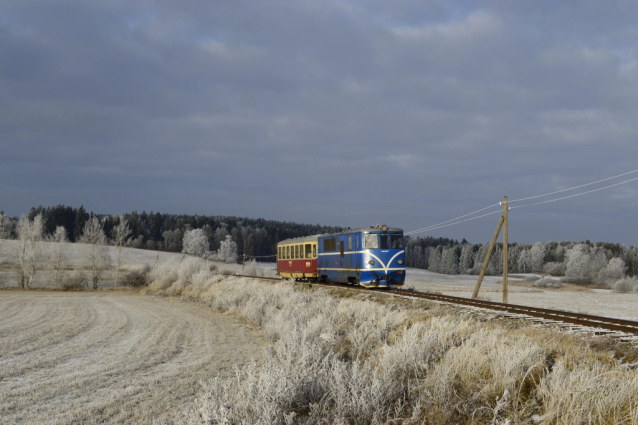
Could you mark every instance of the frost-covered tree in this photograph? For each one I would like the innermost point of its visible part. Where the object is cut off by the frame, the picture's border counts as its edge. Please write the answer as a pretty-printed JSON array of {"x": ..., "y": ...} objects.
[
  {"x": 195, "y": 243},
  {"x": 537, "y": 253},
  {"x": 613, "y": 271},
  {"x": 119, "y": 238},
  {"x": 524, "y": 263},
  {"x": 578, "y": 261},
  {"x": 448, "y": 261},
  {"x": 466, "y": 261},
  {"x": 434, "y": 259},
  {"x": 227, "y": 250},
  {"x": 95, "y": 253},
  {"x": 30, "y": 234},
  {"x": 59, "y": 256}
]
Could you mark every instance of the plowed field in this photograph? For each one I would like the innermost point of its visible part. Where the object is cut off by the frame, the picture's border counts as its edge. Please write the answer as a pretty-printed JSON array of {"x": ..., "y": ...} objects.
[{"x": 110, "y": 357}]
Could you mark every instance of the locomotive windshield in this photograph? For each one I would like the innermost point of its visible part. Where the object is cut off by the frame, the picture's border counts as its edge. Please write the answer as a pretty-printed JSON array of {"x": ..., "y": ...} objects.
[
  {"x": 385, "y": 241},
  {"x": 371, "y": 241},
  {"x": 397, "y": 241}
]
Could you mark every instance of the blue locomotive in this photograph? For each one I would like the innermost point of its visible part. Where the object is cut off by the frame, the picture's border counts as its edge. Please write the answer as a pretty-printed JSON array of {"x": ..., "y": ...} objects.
[{"x": 370, "y": 257}]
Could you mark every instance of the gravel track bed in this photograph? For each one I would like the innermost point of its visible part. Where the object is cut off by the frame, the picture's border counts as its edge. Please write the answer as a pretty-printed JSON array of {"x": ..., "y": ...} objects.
[{"x": 111, "y": 357}]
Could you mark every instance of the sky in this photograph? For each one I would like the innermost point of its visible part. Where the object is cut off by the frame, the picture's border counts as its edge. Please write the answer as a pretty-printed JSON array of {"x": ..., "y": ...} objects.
[{"x": 347, "y": 113}]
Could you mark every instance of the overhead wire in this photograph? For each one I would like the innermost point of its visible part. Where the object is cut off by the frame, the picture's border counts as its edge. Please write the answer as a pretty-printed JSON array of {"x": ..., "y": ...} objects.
[
  {"x": 458, "y": 220},
  {"x": 432, "y": 227},
  {"x": 573, "y": 188},
  {"x": 574, "y": 195}
]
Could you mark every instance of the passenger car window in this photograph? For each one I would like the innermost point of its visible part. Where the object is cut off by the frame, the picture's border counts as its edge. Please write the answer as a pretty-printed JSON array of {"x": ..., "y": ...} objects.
[
  {"x": 370, "y": 241},
  {"x": 314, "y": 251},
  {"x": 287, "y": 253},
  {"x": 397, "y": 241},
  {"x": 308, "y": 251},
  {"x": 300, "y": 251},
  {"x": 385, "y": 241}
]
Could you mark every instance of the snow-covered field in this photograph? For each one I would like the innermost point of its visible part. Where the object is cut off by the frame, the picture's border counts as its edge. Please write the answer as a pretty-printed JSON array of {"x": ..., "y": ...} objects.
[
  {"x": 599, "y": 302},
  {"x": 95, "y": 357}
]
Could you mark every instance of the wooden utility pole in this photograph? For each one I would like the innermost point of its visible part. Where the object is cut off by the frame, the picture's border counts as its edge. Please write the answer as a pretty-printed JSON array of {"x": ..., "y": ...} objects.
[
  {"x": 501, "y": 223},
  {"x": 505, "y": 208},
  {"x": 487, "y": 258}
]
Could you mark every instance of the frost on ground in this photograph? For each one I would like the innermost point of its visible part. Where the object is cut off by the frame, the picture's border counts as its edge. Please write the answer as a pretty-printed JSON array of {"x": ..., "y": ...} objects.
[
  {"x": 364, "y": 358},
  {"x": 110, "y": 357},
  {"x": 578, "y": 299}
]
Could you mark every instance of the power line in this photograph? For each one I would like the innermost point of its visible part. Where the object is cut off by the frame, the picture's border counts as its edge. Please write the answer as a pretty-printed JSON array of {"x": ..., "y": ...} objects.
[
  {"x": 575, "y": 187},
  {"x": 458, "y": 222},
  {"x": 577, "y": 194},
  {"x": 432, "y": 227}
]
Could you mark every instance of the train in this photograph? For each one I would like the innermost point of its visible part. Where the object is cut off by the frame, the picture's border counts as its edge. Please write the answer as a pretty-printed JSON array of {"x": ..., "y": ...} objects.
[{"x": 371, "y": 257}]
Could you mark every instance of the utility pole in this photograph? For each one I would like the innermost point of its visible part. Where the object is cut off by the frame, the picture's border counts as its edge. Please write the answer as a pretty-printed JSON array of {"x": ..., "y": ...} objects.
[
  {"x": 487, "y": 258},
  {"x": 501, "y": 223},
  {"x": 505, "y": 209}
]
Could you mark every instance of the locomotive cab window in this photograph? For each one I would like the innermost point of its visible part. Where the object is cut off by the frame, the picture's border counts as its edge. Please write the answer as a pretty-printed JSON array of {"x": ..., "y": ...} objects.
[
  {"x": 371, "y": 241},
  {"x": 397, "y": 241},
  {"x": 385, "y": 240},
  {"x": 349, "y": 242}
]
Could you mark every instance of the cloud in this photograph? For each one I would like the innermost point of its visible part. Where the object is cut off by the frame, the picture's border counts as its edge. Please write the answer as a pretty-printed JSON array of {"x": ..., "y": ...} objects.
[{"x": 314, "y": 111}]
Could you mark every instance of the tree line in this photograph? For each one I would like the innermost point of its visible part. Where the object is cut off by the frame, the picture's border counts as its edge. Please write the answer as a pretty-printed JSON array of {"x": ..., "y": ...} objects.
[
  {"x": 165, "y": 232},
  {"x": 583, "y": 262}
]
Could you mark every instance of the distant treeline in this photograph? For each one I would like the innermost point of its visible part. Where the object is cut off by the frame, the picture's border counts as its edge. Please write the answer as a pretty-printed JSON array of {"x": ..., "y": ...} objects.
[
  {"x": 586, "y": 260},
  {"x": 165, "y": 232},
  {"x": 259, "y": 237}
]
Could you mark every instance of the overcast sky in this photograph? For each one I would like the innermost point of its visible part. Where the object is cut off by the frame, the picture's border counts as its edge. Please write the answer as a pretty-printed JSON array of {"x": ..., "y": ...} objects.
[{"x": 346, "y": 113}]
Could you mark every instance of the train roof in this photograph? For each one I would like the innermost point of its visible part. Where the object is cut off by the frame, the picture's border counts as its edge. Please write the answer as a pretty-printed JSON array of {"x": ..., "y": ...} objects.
[{"x": 375, "y": 228}]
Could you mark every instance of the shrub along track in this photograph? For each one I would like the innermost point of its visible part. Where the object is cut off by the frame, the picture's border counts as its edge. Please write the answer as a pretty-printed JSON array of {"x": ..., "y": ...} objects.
[
  {"x": 95, "y": 357},
  {"x": 619, "y": 327}
]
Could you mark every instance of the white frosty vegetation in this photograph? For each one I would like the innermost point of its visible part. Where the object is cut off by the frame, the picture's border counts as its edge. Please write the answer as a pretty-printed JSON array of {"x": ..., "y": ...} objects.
[
  {"x": 58, "y": 256},
  {"x": 119, "y": 238},
  {"x": 195, "y": 243},
  {"x": 227, "y": 251},
  {"x": 352, "y": 360},
  {"x": 29, "y": 254},
  {"x": 96, "y": 255}
]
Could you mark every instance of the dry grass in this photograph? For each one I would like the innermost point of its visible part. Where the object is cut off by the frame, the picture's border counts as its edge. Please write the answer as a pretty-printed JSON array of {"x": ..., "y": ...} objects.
[{"x": 367, "y": 358}]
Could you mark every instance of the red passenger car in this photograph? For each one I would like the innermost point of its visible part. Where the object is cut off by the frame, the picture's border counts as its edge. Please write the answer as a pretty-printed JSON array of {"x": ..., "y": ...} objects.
[{"x": 297, "y": 258}]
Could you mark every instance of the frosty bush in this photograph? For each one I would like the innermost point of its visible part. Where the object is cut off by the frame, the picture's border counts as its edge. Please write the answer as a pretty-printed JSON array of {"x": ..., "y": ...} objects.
[
  {"x": 75, "y": 282},
  {"x": 188, "y": 267},
  {"x": 626, "y": 285},
  {"x": 137, "y": 278},
  {"x": 547, "y": 282},
  {"x": 162, "y": 277},
  {"x": 555, "y": 269}
]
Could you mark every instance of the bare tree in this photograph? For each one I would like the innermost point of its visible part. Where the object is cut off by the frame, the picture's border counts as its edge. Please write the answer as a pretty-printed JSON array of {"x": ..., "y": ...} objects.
[
  {"x": 96, "y": 253},
  {"x": 29, "y": 254},
  {"x": 59, "y": 256},
  {"x": 5, "y": 231},
  {"x": 120, "y": 236}
]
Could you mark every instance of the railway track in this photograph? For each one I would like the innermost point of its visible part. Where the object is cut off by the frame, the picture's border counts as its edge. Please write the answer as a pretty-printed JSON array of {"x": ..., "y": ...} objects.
[{"x": 607, "y": 324}]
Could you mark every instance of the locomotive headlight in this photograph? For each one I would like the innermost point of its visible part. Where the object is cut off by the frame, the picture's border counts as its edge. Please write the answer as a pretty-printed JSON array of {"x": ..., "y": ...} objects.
[
  {"x": 399, "y": 261},
  {"x": 371, "y": 262}
]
